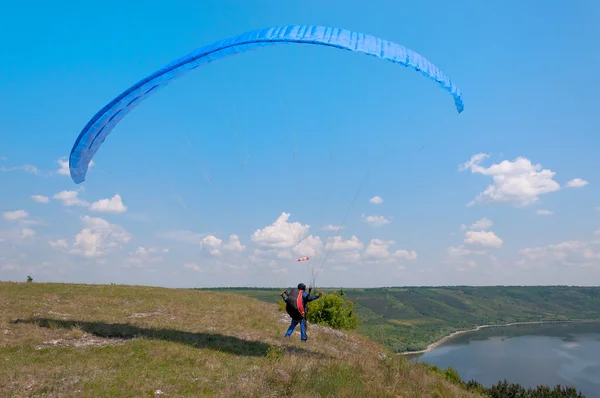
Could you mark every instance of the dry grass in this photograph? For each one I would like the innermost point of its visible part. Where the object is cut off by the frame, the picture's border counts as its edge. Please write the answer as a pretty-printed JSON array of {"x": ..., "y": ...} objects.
[{"x": 131, "y": 341}]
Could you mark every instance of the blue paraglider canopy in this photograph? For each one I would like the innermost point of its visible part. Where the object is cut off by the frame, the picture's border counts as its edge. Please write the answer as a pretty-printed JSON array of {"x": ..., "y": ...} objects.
[{"x": 97, "y": 129}]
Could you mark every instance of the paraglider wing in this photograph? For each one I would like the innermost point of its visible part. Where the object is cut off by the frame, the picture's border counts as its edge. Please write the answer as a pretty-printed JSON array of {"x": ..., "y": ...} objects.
[{"x": 97, "y": 129}]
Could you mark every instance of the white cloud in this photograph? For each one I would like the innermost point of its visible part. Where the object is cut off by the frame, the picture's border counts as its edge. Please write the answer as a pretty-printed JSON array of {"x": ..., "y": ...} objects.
[
  {"x": 280, "y": 234},
  {"x": 26, "y": 168},
  {"x": 345, "y": 257},
  {"x": 338, "y": 244},
  {"x": 310, "y": 246},
  {"x": 455, "y": 252},
  {"x": 376, "y": 221},
  {"x": 193, "y": 267},
  {"x": 259, "y": 255},
  {"x": 20, "y": 216},
  {"x": 213, "y": 244},
  {"x": 408, "y": 255},
  {"x": 483, "y": 238},
  {"x": 544, "y": 212},
  {"x": 40, "y": 198},
  {"x": 234, "y": 244},
  {"x": 183, "y": 236},
  {"x": 27, "y": 233},
  {"x": 143, "y": 255},
  {"x": 284, "y": 254},
  {"x": 332, "y": 227},
  {"x": 577, "y": 183},
  {"x": 63, "y": 169},
  {"x": 378, "y": 248},
  {"x": 467, "y": 265},
  {"x": 519, "y": 182},
  {"x": 60, "y": 243},
  {"x": 63, "y": 164},
  {"x": 376, "y": 200},
  {"x": 482, "y": 223},
  {"x": 477, "y": 236},
  {"x": 269, "y": 257},
  {"x": 98, "y": 236},
  {"x": 463, "y": 257},
  {"x": 16, "y": 235},
  {"x": 10, "y": 267},
  {"x": 113, "y": 205},
  {"x": 343, "y": 251},
  {"x": 70, "y": 198},
  {"x": 15, "y": 215},
  {"x": 570, "y": 253}
]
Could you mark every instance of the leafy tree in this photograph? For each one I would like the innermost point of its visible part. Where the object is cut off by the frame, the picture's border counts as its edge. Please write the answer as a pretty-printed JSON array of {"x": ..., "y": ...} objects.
[{"x": 29, "y": 279}]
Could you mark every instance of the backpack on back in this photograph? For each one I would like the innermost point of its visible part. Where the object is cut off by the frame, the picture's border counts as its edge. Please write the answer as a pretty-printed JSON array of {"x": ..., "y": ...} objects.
[{"x": 295, "y": 305}]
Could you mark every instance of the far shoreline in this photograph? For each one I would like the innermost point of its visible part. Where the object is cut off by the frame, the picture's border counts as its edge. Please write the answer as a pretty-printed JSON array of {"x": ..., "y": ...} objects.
[{"x": 452, "y": 335}]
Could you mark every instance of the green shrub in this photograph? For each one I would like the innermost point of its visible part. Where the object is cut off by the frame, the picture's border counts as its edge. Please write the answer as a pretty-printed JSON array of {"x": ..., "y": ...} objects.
[
  {"x": 333, "y": 310},
  {"x": 451, "y": 374}
]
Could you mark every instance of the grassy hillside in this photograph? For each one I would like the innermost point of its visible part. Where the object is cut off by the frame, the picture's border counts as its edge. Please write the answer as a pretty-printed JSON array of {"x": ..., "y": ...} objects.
[
  {"x": 132, "y": 341},
  {"x": 409, "y": 319}
]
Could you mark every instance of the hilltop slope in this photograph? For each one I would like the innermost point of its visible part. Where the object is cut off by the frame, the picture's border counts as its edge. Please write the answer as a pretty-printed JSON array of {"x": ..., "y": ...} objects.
[
  {"x": 125, "y": 341},
  {"x": 412, "y": 318}
]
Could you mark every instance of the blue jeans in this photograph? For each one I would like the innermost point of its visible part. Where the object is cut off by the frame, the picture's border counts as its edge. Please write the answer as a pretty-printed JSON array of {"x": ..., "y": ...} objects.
[{"x": 302, "y": 329}]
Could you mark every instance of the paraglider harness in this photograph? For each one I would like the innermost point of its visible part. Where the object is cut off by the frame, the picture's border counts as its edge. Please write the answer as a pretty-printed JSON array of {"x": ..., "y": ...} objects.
[{"x": 295, "y": 304}]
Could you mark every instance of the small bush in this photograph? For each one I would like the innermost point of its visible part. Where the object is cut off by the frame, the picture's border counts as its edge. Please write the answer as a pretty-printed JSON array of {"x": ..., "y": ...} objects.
[
  {"x": 29, "y": 279},
  {"x": 333, "y": 310},
  {"x": 451, "y": 375}
]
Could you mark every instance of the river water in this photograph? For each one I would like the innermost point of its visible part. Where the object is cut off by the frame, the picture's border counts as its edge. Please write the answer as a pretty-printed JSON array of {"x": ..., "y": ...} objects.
[{"x": 550, "y": 354}]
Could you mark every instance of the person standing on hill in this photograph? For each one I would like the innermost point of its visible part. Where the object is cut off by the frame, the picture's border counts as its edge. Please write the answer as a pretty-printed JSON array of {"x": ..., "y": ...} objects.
[{"x": 296, "y": 307}]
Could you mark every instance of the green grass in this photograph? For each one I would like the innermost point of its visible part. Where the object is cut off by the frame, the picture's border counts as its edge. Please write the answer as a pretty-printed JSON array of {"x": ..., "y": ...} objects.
[
  {"x": 130, "y": 341},
  {"x": 409, "y": 319}
]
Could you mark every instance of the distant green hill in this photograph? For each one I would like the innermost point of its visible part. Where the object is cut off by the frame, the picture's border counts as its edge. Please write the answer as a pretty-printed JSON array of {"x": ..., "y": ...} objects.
[{"x": 409, "y": 319}]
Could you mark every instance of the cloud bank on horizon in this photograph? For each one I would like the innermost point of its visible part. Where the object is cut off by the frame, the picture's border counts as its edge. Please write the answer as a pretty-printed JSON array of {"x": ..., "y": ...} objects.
[{"x": 266, "y": 257}]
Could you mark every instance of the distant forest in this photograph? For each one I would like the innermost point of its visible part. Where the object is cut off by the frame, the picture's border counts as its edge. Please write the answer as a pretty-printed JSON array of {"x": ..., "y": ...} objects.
[{"x": 411, "y": 318}]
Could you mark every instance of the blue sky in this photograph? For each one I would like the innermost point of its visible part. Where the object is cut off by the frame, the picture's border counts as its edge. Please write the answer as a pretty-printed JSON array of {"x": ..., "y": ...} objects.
[{"x": 231, "y": 173}]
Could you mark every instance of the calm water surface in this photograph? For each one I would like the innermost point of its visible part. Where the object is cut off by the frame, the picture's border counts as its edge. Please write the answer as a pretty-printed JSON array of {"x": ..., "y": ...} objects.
[{"x": 567, "y": 354}]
